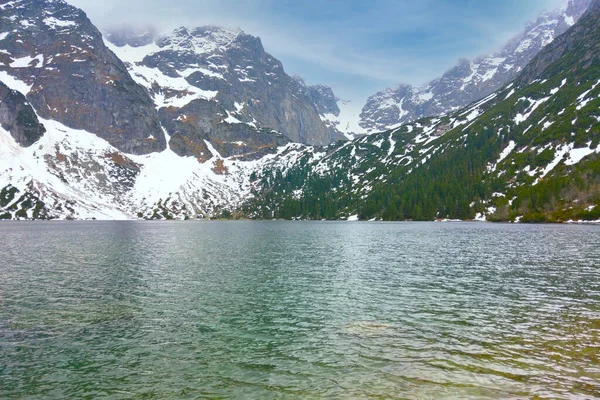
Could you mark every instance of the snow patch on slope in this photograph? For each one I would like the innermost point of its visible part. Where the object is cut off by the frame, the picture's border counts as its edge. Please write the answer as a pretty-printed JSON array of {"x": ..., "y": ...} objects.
[
  {"x": 347, "y": 121},
  {"x": 14, "y": 83},
  {"x": 147, "y": 77},
  {"x": 79, "y": 175}
]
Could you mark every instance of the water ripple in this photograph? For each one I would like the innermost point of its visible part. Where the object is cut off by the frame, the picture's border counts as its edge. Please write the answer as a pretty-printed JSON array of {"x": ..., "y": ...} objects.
[{"x": 299, "y": 310}]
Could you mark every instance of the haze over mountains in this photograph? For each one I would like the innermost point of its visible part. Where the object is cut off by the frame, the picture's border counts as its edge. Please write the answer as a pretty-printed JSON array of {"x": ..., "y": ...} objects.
[{"x": 204, "y": 122}]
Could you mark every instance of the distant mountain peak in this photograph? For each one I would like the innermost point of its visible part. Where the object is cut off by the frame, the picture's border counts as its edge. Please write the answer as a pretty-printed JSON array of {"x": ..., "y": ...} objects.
[
  {"x": 469, "y": 80},
  {"x": 201, "y": 39}
]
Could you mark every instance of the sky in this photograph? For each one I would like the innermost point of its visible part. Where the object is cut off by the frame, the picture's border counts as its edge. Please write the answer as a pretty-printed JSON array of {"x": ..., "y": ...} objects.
[{"x": 358, "y": 47}]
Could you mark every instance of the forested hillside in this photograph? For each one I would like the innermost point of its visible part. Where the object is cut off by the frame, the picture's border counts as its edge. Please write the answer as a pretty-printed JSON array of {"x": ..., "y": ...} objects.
[{"x": 528, "y": 152}]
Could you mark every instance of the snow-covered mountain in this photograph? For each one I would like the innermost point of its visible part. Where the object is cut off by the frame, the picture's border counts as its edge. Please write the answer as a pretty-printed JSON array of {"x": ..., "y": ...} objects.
[
  {"x": 179, "y": 121},
  {"x": 220, "y": 85},
  {"x": 469, "y": 80},
  {"x": 74, "y": 174},
  {"x": 529, "y": 152}
]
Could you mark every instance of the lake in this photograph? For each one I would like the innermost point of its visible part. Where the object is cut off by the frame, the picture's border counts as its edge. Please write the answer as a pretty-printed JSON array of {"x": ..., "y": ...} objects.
[{"x": 298, "y": 310}]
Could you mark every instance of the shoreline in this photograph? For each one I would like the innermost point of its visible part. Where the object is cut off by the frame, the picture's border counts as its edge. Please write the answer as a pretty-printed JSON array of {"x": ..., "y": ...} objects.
[{"x": 446, "y": 221}]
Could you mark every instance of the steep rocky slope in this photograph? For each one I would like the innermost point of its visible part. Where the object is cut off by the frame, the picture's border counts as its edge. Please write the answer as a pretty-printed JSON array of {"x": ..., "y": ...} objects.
[
  {"x": 469, "y": 80},
  {"x": 74, "y": 174},
  {"x": 51, "y": 53},
  {"x": 18, "y": 118},
  {"x": 216, "y": 84},
  {"x": 333, "y": 111}
]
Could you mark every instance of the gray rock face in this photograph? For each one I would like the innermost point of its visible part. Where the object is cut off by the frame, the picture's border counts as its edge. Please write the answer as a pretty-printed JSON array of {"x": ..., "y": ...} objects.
[
  {"x": 231, "y": 70},
  {"x": 327, "y": 104},
  {"x": 469, "y": 80},
  {"x": 578, "y": 8},
  {"x": 324, "y": 99},
  {"x": 194, "y": 124},
  {"x": 18, "y": 118},
  {"x": 321, "y": 96},
  {"x": 56, "y": 51}
]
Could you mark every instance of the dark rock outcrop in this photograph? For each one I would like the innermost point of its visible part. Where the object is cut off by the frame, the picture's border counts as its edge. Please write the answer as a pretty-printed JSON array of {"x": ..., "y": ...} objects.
[
  {"x": 18, "y": 118},
  {"x": 322, "y": 96},
  {"x": 202, "y": 120}
]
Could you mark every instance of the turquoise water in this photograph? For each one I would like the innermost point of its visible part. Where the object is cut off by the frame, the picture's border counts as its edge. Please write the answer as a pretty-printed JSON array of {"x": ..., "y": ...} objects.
[{"x": 298, "y": 310}]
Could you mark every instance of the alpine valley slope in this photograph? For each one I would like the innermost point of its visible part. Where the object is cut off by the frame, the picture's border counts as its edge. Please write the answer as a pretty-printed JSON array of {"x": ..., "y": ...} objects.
[
  {"x": 469, "y": 81},
  {"x": 528, "y": 152}
]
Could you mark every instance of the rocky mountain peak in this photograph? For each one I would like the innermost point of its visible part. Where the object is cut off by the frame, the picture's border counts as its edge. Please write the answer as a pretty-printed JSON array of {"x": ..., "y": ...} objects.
[
  {"x": 324, "y": 99},
  {"x": 321, "y": 95},
  {"x": 200, "y": 40},
  {"x": 580, "y": 40},
  {"x": 220, "y": 85},
  {"x": 51, "y": 53}
]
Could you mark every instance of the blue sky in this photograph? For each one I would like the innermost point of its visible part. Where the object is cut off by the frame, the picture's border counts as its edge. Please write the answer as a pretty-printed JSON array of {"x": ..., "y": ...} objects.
[{"x": 357, "y": 47}]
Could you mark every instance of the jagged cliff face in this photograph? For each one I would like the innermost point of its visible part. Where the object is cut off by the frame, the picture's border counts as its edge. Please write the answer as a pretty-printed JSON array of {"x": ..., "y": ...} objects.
[
  {"x": 220, "y": 85},
  {"x": 327, "y": 105},
  {"x": 469, "y": 80},
  {"x": 53, "y": 54},
  {"x": 322, "y": 96},
  {"x": 18, "y": 118}
]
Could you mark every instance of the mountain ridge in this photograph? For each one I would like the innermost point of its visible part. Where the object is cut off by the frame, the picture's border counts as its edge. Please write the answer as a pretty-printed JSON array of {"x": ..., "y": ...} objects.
[
  {"x": 530, "y": 152},
  {"x": 469, "y": 80},
  {"x": 230, "y": 75}
]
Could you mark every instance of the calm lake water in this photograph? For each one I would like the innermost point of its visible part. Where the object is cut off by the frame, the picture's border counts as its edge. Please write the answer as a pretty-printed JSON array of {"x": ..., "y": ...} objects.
[{"x": 298, "y": 310}]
